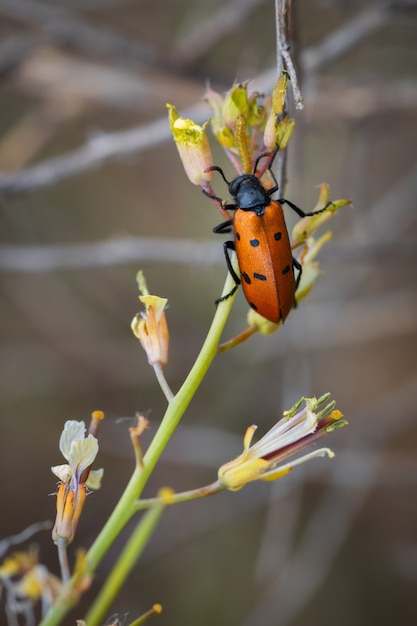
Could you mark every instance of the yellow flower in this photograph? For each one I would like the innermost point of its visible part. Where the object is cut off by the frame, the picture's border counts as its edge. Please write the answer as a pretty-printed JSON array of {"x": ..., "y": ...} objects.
[
  {"x": 257, "y": 113},
  {"x": 193, "y": 146},
  {"x": 311, "y": 267},
  {"x": 278, "y": 129},
  {"x": 307, "y": 226},
  {"x": 263, "y": 326},
  {"x": 293, "y": 433},
  {"x": 236, "y": 103}
]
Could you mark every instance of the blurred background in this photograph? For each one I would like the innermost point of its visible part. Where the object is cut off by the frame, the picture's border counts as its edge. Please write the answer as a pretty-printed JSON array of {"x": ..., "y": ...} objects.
[{"x": 92, "y": 190}]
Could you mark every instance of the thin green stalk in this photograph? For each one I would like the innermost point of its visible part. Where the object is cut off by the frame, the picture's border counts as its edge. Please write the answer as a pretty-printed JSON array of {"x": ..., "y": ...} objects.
[
  {"x": 124, "y": 565},
  {"x": 175, "y": 410},
  {"x": 125, "y": 508},
  {"x": 183, "y": 496}
]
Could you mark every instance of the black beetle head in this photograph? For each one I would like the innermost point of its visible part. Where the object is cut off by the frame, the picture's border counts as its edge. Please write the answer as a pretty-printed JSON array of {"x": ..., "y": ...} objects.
[{"x": 248, "y": 192}]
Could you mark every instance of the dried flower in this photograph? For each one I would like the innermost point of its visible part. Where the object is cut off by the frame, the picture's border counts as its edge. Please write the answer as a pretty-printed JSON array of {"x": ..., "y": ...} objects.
[
  {"x": 292, "y": 434},
  {"x": 151, "y": 327}
]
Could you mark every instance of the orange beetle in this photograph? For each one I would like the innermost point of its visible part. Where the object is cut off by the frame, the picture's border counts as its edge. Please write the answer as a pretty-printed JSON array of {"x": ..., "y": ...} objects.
[{"x": 261, "y": 243}]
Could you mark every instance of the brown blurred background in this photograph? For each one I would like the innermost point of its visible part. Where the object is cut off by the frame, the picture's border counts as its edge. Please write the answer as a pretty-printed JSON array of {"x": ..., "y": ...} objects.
[{"x": 87, "y": 159}]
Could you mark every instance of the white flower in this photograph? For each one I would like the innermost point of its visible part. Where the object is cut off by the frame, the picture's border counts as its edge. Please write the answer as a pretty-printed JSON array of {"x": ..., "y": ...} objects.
[
  {"x": 80, "y": 452},
  {"x": 76, "y": 476},
  {"x": 295, "y": 432}
]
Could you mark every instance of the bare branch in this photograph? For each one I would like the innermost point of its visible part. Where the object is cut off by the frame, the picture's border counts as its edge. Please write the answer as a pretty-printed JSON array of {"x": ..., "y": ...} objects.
[
  {"x": 284, "y": 61},
  {"x": 347, "y": 36},
  {"x": 98, "y": 150},
  {"x": 14, "y": 49},
  {"x": 205, "y": 34},
  {"x": 63, "y": 26},
  {"x": 108, "y": 254},
  {"x": 336, "y": 99},
  {"x": 342, "y": 40},
  {"x": 122, "y": 250},
  {"x": 112, "y": 146},
  {"x": 284, "y": 58},
  {"x": 24, "y": 535}
]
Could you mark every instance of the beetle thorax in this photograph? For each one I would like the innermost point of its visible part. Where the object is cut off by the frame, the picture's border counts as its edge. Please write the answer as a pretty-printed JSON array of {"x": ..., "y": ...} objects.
[{"x": 249, "y": 193}]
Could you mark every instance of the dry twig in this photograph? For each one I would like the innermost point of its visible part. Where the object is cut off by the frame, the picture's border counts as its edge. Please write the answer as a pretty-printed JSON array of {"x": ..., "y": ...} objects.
[{"x": 113, "y": 146}]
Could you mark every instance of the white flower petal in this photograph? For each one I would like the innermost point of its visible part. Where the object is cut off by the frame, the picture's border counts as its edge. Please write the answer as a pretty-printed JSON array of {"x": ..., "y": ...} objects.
[
  {"x": 63, "y": 472},
  {"x": 82, "y": 453},
  {"x": 94, "y": 479},
  {"x": 73, "y": 430},
  {"x": 285, "y": 432}
]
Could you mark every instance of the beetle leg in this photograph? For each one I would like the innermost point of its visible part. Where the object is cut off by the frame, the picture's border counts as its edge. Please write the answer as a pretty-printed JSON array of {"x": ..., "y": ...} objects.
[
  {"x": 230, "y": 245},
  {"x": 299, "y": 267},
  {"x": 225, "y": 205},
  {"x": 227, "y": 246},
  {"x": 224, "y": 227},
  {"x": 212, "y": 196},
  {"x": 299, "y": 211}
]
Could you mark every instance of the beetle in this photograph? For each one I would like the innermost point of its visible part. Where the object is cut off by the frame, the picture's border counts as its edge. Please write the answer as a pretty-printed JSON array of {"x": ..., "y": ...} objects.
[{"x": 261, "y": 243}]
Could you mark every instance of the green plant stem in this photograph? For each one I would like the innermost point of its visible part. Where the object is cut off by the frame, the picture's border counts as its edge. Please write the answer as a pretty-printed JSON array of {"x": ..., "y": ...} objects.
[
  {"x": 155, "y": 610},
  {"x": 176, "y": 409},
  {"x": 125, "y": 563},
  {"x": 183, "y": 496},
  {"x": 126, "y": 506}
]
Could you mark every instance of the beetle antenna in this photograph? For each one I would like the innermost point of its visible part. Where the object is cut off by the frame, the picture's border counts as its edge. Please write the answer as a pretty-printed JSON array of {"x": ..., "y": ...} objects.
[
  {"x": 263, "y": 155},
  {"x": 216, "y": 168},
  {"x": 274, "y": 154},
  {"x": 259, "y": 158}
]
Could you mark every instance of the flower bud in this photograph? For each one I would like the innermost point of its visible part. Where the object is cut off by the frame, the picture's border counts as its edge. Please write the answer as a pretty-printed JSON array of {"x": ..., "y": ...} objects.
[
  {"x": 257, "y": 113},
  {"x": 278, "y": 129},
  {"x": 235, "y": 103}
]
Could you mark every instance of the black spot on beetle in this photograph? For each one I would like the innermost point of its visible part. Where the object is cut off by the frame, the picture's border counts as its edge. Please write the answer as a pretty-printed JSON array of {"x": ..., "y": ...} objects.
[
  {"x": 259, "y": 276},
  {"x": 277, "y": 236},
  {"x": 254, "y": 243},
  {"x": 246, "y": 278},
  {"x": 286, "y": 269},
  {"x": 253, "y": 306},
  {"x": 237, "y": 235}
]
